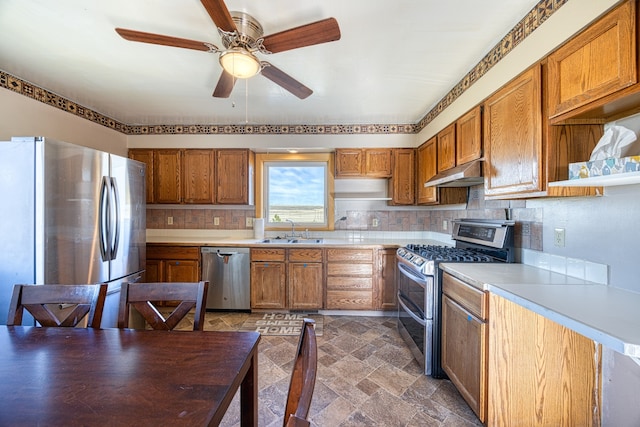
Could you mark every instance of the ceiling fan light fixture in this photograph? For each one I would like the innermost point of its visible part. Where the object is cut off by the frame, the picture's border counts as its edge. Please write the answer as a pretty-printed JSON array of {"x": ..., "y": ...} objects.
[{"x": 240, "y": 63}]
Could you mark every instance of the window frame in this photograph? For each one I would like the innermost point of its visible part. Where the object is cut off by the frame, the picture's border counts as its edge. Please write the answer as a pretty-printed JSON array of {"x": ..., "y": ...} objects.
[{"x": 328, "y": 158}]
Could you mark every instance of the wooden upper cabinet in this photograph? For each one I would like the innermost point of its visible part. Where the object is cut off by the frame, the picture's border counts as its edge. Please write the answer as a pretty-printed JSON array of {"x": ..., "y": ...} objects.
[
  {"x": 377, "y": 162},
  {"x": 234, "y": 176},
  {"x": 167, "y": 184},
  {"x": 402, "y": 184},
  {"x": 360, "y": 162},
  {"x": 349, "y": 162},
  {"x": 427, "y": 169},
  {"x": 145, "y": 156},
  {"x": 197, "y": 176},
  {"x": 599, "y": 61},
  {"x": 447, "y": 148},
  {"x": 513, "y": 136},
  {"x": 469, "y": 136}
]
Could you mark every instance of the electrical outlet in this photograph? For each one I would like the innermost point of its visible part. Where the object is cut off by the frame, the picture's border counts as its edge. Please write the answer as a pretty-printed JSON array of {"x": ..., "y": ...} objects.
[
  {"x": 170, "y": 220},
  {"x": 249, "y": 222},
  {"x": 216, "y": 220},
  {"x": 444, "y": 224},
  {"x": 558, "y": 237},
  {"x": 375, "y": 222}
]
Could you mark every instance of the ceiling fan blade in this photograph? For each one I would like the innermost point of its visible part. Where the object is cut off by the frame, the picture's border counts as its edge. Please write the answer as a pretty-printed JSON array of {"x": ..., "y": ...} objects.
[
  {"x": 219, "y": 14},
  {"x": 139, "y": 36},
  {"x": 225, "y": 85},
  {"x": 318, "y": 32},
  {"x": 286, "y": 81}
]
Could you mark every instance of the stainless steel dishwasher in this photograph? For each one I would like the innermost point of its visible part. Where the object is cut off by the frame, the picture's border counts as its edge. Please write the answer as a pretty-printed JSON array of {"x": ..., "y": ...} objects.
[{"x": 227, "y": 270}]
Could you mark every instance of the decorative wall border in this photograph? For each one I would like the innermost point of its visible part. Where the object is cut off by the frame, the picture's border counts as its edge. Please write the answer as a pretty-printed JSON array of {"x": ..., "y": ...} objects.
[{"x": 540, "y": 13}]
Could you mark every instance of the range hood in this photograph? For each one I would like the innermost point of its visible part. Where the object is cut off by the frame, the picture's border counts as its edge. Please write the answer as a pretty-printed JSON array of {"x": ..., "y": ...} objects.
[{"x": 466, "y": 175}]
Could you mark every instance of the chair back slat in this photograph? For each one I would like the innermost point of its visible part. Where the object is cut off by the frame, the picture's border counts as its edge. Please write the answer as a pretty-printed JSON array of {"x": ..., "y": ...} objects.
[
  {"x": 303, "y": 377},
  {"x": 85, "y": 301},
  {"x": 144, "y": 297}
]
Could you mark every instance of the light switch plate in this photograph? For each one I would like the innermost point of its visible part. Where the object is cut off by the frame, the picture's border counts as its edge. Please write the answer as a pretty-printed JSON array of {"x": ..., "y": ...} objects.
[
  {"x": 249, "y": 222},
  {"x": 558, "y": 237},
  {"x": 216, "y": 220}
]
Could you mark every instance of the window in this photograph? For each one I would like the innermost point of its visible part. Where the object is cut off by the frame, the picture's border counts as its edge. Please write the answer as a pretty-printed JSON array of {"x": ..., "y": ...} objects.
[{"x": 295, "y": 188}]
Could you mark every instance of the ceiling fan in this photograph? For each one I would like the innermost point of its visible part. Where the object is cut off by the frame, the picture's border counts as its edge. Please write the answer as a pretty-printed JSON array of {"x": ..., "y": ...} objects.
[{"x": 242, "y": 37}]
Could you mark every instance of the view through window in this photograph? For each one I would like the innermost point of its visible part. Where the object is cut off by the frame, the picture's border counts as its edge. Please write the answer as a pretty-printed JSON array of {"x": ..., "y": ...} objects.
[{"x": 296, "y": 191}]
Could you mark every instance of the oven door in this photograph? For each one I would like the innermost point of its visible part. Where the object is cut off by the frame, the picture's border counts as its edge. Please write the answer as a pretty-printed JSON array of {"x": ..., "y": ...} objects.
[{"x": 415, "y": 314}]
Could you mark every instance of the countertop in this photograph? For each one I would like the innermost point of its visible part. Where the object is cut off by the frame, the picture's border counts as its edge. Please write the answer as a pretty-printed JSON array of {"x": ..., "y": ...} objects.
[{"x": 602, "y": 313}]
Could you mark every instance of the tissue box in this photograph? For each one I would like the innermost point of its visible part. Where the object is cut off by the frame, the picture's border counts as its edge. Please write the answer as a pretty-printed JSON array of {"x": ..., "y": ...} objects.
[{"x": 604, "y": 167}]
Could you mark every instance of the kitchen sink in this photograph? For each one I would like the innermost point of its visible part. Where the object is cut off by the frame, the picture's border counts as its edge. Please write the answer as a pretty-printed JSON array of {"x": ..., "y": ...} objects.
[{"x": 283, "y": 241}]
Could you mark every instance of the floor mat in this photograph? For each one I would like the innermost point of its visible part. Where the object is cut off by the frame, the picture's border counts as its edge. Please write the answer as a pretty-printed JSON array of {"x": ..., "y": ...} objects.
[{"x": 283, "y": 324}]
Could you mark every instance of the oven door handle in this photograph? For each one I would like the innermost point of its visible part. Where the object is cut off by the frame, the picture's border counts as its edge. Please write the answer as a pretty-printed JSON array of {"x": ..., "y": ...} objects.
[
  {"x": 401, "y": 300},
  {"x": 411, "y": 275}
]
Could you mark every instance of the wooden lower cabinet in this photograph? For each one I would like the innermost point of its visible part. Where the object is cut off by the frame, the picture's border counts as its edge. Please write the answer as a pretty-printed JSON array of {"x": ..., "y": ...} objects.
[
  {"x": 268, "y": 278},
  {"x": 540, "y": 373},
  {"x": 305, "y": 282},
  {"x": 172, "y": 263},
  {"x": 387, "y": 287},
  {"x": 464, "y": 341},
  {"x": 287, "y": 278},
  {"x": 349, "y": 279}
]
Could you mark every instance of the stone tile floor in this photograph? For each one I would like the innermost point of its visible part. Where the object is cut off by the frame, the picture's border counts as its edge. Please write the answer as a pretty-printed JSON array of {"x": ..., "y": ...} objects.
[{"x": 366, "y": 377}]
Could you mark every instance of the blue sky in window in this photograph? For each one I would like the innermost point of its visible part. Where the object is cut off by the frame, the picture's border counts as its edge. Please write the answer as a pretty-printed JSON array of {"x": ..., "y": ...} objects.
[{"x": 296, "y": 185}]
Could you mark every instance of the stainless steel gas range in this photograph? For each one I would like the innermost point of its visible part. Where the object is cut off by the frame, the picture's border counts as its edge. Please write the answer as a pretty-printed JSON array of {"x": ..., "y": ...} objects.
[{"x": 419, "y": 278}]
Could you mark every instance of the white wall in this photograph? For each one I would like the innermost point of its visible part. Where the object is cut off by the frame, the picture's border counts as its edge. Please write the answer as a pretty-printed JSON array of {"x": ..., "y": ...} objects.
[{"x": 23, "y": 116}]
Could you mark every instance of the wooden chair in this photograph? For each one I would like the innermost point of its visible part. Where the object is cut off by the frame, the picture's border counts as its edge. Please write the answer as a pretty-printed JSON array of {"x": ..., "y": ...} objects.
[
  {"x": 303, "y": 378},
  {"x": 144, "y": 296},
  {"x": 47, "y": 304}
]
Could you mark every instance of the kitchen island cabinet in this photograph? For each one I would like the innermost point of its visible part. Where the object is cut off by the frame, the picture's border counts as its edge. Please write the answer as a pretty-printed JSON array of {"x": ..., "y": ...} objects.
[{"x": 540, "y": 372}]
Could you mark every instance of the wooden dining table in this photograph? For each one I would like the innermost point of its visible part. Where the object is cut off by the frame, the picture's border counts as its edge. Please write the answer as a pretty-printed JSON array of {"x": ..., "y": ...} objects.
[{"x": 125, "y": 377}]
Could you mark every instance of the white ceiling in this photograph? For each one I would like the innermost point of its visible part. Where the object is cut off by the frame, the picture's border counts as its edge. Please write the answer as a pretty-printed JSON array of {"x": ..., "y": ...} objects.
[{"x": 396, "y": 58}]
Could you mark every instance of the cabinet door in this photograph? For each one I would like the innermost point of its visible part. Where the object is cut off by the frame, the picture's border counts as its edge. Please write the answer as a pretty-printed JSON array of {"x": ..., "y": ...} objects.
[
  {"x": 596, "y": 63},
  {"x": 513, "y": 137},
  {"x": 387, "y": 287},
  {"x": 427, "y": 169},
  {"x": 234, "y": 175},
  {"x": 153, "y": 272},
  {"x": 305, "y": 286},
  {"x": 447, "y": 148},
  {"x": 145, "y": 156},
  {"x": 181, "y": 271},
  {"x": 403, "y": 179},
  {"x": 197, "y": 176},
  {"x": 268, "y": 286},
  {"x": 377, "y": 163},
  {"x": 349, "y": 162},
  {"x": 540, "y": 370},
  {"x": 464, "y": 350},
  {"x": 167, "y": 172},
  {"x": 469, "y": 136}
]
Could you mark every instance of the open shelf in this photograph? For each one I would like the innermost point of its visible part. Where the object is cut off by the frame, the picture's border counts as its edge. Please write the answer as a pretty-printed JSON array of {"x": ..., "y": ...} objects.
[{"x": 627, "y": 178}]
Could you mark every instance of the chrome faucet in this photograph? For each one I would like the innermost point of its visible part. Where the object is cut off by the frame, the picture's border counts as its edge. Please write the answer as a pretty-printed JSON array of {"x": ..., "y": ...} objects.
[{"x": 293, "y": 229}]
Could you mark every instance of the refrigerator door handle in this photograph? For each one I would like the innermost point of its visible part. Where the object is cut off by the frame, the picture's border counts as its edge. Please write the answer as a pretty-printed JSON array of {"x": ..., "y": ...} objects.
[
  {"x": 115, "y": 239},
  {"x": 103, "y": 220}
]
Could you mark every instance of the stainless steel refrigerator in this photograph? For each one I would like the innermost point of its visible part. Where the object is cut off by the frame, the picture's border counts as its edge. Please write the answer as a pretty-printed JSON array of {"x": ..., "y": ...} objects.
[{"x": 70, "y": 215}]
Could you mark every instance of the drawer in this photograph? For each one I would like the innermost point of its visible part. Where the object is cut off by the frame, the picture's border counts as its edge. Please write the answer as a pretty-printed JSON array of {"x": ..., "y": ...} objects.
[
  {"x": 173, "y": 252},
  {"x": 267, "y": 254},
  {"x": 349, "y": 300},
  {"x": 338, "y": 269},
  {"x": 305, "y": 255},
  {"x": 342, "y": 283},
  {"x": 355, "y": 255},
  {"x": 472, "y": 299}
]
